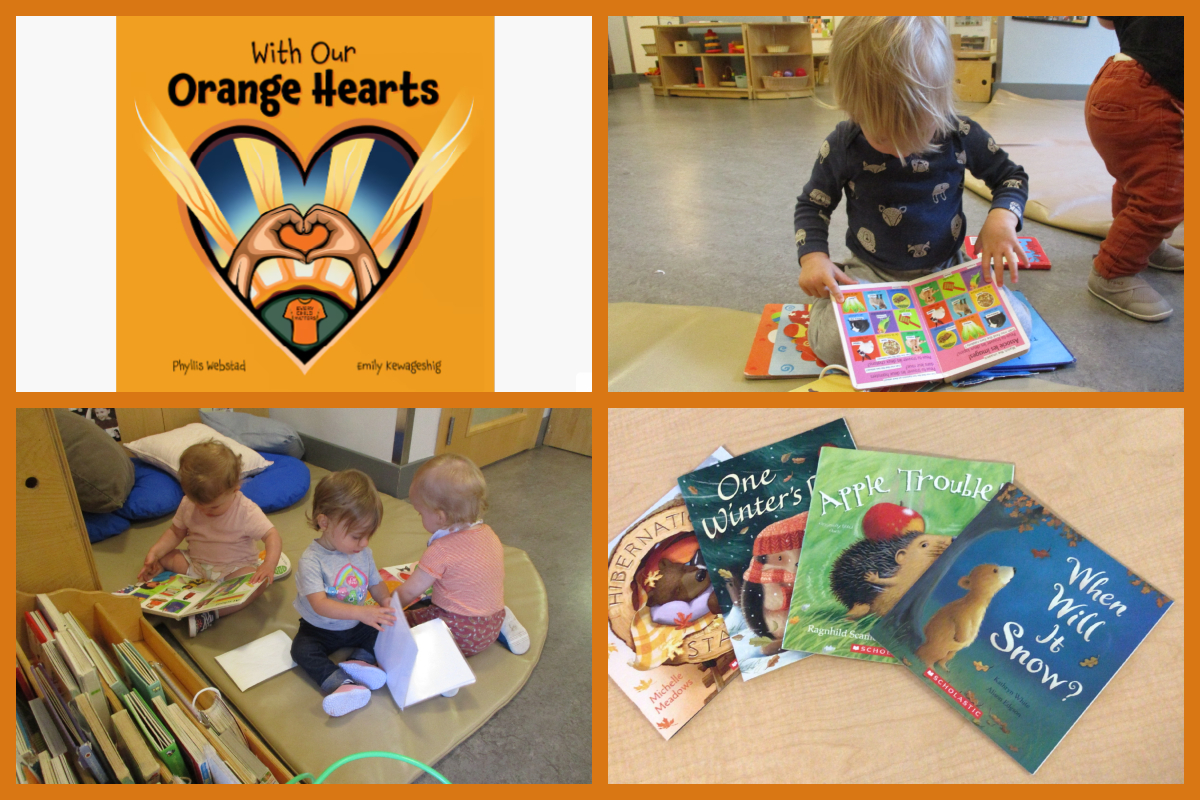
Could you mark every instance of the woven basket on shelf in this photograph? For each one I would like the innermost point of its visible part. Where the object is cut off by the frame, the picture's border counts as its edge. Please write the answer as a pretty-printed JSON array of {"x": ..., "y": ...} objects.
[{"x": 774, "y": 84}]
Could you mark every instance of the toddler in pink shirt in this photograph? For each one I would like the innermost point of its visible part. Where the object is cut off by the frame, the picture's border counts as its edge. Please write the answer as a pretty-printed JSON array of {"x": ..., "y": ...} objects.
[{"x": 222, "y": 527}]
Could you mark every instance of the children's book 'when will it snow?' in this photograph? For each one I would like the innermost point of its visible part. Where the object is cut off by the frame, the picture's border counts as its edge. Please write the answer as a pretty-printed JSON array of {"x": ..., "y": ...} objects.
[
  {"x": 876, "y": 522},
  {"x": 668, "y": 650},
  {"x": 1021, "y": 623},
  {"x": 749, "y": 514}
]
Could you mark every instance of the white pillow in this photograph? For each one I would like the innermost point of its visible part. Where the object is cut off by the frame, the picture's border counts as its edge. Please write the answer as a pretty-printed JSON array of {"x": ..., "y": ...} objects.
[{"x": 164, "y": 450}]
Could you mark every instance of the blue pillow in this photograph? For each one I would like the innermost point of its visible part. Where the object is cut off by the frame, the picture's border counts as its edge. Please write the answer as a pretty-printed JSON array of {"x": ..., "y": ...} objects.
[
  {"x": 258, "y": 433},
  {"x": 104, "y": 526},
  {"x": 154, "y": 494},
  {"x": 280, "y": 485}
]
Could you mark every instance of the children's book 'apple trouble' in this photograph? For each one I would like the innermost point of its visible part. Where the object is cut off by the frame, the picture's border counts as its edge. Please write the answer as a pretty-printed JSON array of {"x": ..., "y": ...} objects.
[
  {"x": 943, "y": 326},
  {"x": 1020, "y": 624},
  {"x": 781, "y": 348},
  {"x": 749, "y": 514},
  {"x": 667, "y": 645},
  {"x": 876, "y": 522},
  {"x": 1033, "y": 251}
]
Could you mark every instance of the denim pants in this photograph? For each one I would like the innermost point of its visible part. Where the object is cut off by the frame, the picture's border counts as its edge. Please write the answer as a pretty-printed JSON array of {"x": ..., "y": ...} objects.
[
  {"x": 1137, "y": 128},
  {"x": 312, "y": 646}
]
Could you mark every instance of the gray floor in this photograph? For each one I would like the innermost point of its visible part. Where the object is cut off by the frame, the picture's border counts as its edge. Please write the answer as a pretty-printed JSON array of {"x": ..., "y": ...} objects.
[
  {"x": 700, "y": 200},
  {"x": 541, "y": 502}
]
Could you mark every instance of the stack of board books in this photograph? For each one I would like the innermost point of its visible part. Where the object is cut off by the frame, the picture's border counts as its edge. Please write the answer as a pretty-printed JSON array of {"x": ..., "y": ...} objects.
[
  {"x": 67, "y": 733},
  {"x": 811, "y": 546}
]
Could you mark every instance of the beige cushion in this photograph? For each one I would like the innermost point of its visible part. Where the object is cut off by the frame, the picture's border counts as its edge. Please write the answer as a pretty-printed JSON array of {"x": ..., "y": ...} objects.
[
  {"x": 100, "y": 469},
  {"x": 164, "y": 450},
  {"x": 286, "y": 709},
  {"x": 1069, "y": 187}
]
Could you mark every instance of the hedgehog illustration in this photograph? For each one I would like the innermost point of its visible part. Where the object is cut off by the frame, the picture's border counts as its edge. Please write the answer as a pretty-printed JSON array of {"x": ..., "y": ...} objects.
[
  {"x": 770, "y": 578},
  {"x": 871, "y": 575}
]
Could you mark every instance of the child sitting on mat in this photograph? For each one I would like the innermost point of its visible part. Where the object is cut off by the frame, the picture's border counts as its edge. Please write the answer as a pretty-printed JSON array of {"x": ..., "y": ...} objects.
[
  {"x": 900, "y": 160},
  {"x": 221, "y": 525},
  {"x": 464, "y": 562},
  {"x": 334, "y": 577}
]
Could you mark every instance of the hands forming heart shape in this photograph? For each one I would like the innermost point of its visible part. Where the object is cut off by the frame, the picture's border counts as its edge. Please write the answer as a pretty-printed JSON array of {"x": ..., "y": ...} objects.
[{"x": 322, "y": 233}]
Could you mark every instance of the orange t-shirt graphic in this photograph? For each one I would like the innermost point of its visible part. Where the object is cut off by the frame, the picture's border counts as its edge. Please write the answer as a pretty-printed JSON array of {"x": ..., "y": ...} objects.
[{"x": 305, "y": 314}]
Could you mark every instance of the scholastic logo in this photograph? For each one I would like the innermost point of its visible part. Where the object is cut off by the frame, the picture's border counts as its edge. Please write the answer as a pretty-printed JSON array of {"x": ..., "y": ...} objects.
[
  {"x": 950, "y": 690},
  {"x": 870, "y": 650}
]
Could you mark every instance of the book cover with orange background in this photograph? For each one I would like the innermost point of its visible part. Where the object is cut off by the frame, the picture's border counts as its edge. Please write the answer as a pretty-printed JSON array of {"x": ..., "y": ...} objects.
[{"x": 249, "y": 234}]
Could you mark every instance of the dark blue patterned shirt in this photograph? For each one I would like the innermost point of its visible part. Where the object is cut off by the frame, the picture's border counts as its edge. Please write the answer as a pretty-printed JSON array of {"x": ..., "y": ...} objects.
[{"x": 903, "y": 217}]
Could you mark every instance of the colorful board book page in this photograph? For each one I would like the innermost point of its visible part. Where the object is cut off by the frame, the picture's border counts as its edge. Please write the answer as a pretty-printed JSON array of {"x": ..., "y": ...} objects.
[
  {"x": 169, "y": 594},
  {"x": 943, "y": 326},
  {"x": 876, "y": 522},
  {"x": 1033, "y": 251},
  {"x": 669, "y": 671},
  {"x": 781, "y": 348},
  {"x": 394, "y": 578},
  {"x": 749, "y": 514},
  {"x": 1021, "y": 623}
]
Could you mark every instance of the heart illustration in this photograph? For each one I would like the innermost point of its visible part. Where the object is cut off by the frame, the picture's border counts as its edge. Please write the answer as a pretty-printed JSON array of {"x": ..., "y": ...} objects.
[
  {"x": 354, "y": 174},
  {"x": 304, "y": 242}
]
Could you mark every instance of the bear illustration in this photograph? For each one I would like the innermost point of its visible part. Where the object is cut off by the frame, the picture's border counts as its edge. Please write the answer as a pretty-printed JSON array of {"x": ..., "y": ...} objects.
[{"x": 681, "y": 594}]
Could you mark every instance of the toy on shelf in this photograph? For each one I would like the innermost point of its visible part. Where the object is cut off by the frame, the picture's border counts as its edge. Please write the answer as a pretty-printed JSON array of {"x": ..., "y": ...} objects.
[
  {"x": 727, "y": 78},
  {"x": 712, "y": 43},
  {"x": 700, "y": 77},
  {"x": 737, "y": 47}
]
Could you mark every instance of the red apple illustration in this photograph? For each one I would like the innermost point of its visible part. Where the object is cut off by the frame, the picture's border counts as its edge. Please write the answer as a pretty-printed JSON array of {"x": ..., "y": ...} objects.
[{"x": 884, "y": 521}]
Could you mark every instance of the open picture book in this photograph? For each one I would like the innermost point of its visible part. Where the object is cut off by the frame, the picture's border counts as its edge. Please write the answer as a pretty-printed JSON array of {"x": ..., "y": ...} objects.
[
  {"x": 942, "y": 326},
  {"x": 169, "y": 594}
]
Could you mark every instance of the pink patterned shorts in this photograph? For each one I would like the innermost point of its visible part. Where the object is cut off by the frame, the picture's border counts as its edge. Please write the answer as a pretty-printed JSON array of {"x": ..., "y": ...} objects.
[{"x": 471, "y": 634}]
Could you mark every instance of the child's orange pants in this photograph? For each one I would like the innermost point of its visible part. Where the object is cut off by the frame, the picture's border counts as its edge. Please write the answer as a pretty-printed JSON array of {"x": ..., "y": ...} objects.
[{"x": 1137, "y": 127}]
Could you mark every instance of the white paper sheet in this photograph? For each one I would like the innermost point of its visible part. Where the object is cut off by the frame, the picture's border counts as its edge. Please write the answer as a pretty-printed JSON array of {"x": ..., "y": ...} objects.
[
  {"x": 263, "y": 658},
  {"x": 421, "y": 662}
]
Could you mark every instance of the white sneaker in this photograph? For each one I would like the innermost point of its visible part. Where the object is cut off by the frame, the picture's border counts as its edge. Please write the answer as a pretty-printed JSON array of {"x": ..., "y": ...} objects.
[
  {"x": 199, "y": 623},
  {"x": 513, "y": 634},
  {"x": 346, "y": 698},
  {"x": 366, "y": 674}
]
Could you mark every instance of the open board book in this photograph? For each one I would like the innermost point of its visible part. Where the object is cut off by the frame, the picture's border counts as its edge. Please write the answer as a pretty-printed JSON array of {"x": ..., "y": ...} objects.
[
  {"x": 169, "y": 594},
  {"x": 942, "y": 326}
]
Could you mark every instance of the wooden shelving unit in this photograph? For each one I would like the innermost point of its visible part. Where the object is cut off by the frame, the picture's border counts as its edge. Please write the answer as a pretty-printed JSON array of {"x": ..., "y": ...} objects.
[
  {"x": 679, "y": 70},
  {"x": 798, "y": 38}
]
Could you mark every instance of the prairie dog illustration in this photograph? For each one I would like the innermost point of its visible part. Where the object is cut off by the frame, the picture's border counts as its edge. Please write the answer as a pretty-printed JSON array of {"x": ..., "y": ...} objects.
[
  {"x": 960, "y": 307},
  {"x": 956, "y": 624}
]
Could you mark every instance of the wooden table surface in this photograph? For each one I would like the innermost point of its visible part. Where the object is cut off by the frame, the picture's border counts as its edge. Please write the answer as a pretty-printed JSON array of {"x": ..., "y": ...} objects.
[{"x": 1116, "y": 475}]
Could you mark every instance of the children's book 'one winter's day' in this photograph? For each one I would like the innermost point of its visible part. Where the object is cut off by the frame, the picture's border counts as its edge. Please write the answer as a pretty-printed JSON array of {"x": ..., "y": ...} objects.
[
  {"x": 876, "y": 522},
  {"x": 1020, "y": 624},
  {"x": 941, "y": 326},
  {"x": 749, "y": 514},
  {"x": 170, "y": 594},
  {"x": 667, "y": 645}
]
